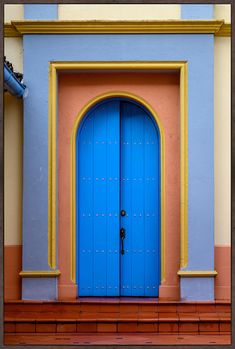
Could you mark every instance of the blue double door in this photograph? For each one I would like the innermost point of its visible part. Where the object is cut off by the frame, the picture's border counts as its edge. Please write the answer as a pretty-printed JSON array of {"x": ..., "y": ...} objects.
[{"x": 118, "y": 202}]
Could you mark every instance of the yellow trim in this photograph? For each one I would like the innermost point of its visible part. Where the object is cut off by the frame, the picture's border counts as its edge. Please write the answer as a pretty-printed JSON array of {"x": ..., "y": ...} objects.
[
  {"x": 80, "y": 66},
  {"x": 36, "y": 273},
  {"x": 116, "y": 27},
  {"x": 52, "y": 167},
  {"x": 198, "y": 273},
  {"x": 184, "y": 166},
  {"x": 10, "y": 31},
  {"x": 126, "y": 66},
  {"x": 225, "y": 30}
]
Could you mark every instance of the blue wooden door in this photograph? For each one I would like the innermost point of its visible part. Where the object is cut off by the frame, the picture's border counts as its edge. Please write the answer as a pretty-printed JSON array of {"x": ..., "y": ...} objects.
[{"x": 118, "y": 169}]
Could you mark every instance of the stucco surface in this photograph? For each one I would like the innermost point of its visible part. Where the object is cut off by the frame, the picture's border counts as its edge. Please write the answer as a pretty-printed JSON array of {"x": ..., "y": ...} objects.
[
  {"x": 197, "y": 288},
  {"x": 198, "y": 50},
  {"x": 41, "y": 11},
  {"x": 222, "y": 132},
  {"x": 223, "y": 267},
  {"x": 12, "y": 268},
  {"x": 223, "y": 12},
  {"x": 196, "y": 11},
  {"x": 13, "y": 12},
  {"x": 150, "y": 11},
  {"x": 13, "y": 138},
  {"x": 119, "y": 11},
  {"x": 13, "y": 50}
]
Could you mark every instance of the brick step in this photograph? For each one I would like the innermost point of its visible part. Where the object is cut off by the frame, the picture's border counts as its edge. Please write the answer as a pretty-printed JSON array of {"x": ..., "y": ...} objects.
[
  {"x": 114, "y": 339},
  {"x": 116, "y": 306},
  {"x": 176, "y": 324},
  {"x": 113, "y": 316},
  {"x": 116, "y": 315}
]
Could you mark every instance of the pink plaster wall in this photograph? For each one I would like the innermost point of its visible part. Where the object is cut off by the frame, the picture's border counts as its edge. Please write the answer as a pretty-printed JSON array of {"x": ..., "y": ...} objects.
[
  {"x": 161, "y": 91},
  {"x": 223, "y": 267},
  {"x": 12, "y": 268}
]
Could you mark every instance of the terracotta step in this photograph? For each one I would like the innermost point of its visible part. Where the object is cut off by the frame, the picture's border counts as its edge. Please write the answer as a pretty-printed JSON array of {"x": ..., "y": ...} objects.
[
  {"x": 116, "y": 315},
  {"x": 113, "y": 316},
  {"x": 118, "y": 306},
  {"x": 134, "y": 339},
  {"x": 161, "y": 324},
  {"x": 109, "y": 325}
]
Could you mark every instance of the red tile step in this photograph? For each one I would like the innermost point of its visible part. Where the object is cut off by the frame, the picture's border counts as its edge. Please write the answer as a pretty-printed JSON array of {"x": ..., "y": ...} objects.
[
  {"x": 117, "y": 315},
  {"x": 116, "y": 339},
  {"x": 118, "y": 305},
  {"x": 159, "y": 325}
]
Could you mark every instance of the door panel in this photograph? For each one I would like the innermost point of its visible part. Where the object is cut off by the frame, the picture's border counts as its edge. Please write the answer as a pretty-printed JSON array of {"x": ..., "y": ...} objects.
[
  {"x": 98, "y": 202},
  {"x": 140, "y": 200},
  {"x": 118, "y": 168}
]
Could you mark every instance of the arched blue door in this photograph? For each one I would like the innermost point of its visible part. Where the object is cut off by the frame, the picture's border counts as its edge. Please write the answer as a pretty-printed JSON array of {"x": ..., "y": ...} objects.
[{"x": 118, "y": 202}]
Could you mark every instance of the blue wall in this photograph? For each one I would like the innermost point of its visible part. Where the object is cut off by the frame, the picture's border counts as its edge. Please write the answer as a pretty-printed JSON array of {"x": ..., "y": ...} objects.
[
  {"x": 198, "y": 50},
  {"x": 197, "y": 11},
  {"x": 197, "y": 288},
  {"x": 40, "y": 12}
]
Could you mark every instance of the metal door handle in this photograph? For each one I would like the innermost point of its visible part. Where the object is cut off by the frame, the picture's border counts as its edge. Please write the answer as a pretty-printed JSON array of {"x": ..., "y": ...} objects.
[{"x": 122, "y": 236}]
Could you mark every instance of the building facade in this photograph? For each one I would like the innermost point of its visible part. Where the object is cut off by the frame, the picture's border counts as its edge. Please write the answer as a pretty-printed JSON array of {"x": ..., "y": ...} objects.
[{"x": 117, "y": 159}]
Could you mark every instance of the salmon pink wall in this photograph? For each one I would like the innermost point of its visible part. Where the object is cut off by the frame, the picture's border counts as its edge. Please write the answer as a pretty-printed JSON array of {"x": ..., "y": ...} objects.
[
  {"x": 223, "y": 267},
  {"x": 161, "y": 91},
  {"x": 12, "y": 268}
]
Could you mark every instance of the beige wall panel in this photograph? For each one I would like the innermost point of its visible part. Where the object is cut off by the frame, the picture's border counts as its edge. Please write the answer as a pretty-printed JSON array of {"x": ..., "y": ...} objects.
[
  {"x": 13, "y": 12},
  {"x": 222, "y": 105},
  {"x": 12, "y": 169},
  {"x": 13, "y": 50},
  {"x": 223, "y": 12},
  {"x": 118, "y": 12}
]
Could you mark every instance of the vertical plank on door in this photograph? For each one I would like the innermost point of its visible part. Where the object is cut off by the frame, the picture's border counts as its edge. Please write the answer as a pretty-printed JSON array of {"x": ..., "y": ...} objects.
[
  {"x": 126, "y": 199},
  {"x": 152, "y": 208},
  {"x": 113, "y": 197},
  {"x": 100, "y": 201},
  {"x": 84, "y": 207}
]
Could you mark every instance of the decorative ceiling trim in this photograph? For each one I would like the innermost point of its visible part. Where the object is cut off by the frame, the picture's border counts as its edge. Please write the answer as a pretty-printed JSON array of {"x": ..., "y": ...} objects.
[
  {"x": 216, "y": 27},
  {"x": 225, "y": 30},
  {"x": 10, "y": 31}
]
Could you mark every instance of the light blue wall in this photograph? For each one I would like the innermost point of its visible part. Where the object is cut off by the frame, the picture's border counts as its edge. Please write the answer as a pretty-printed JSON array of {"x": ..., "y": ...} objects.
[
  {"x": 197, "y": 288},
  {"x": 197, "y": 11},
  {"x": 41, "y": 288},
  {"x": 198, "y": 50},
  {"x": 36, "y": 11}
]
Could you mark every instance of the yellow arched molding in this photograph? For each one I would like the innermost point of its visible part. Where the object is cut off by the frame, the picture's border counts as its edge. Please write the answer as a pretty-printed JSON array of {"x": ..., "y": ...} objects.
[
  {"x": 82, "y": 113},
  {"x": 54, "y": 67}
]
